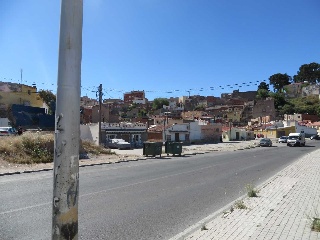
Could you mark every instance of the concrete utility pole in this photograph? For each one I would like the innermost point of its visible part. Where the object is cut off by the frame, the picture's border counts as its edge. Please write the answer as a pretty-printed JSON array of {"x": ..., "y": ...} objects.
[{"x": 67, "y": 125}]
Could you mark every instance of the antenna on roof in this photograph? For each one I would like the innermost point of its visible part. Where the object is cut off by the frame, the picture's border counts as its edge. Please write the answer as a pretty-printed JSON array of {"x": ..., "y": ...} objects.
[{"x": 21, "y": 79}]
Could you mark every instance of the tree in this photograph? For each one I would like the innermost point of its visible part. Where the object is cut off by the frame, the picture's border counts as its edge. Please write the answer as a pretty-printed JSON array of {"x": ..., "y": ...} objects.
[
  {"x": 287, "y": 108},
  {"x": 159, "y": 102},
  {"x": 279, "y": 100},
  {"x": 132, "y": 106},
  {"x": 263, "y": 85},
  {"x": 303, "y": 105},
  {"x": 279, "y": 80},
  {"x": 49, "y": 98},
  {"x": 142, "y": 113},
  {"x": 200, "y": 107},
  {"x": 262, "y": 93},
  {"x": 308, "y": 72}
]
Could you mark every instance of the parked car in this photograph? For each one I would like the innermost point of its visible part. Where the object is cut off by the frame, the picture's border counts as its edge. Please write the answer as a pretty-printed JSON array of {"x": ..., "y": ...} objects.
[
  {"x": 123, "y": 145},
  {"x": 283, "y": 139},
  {"x": 8, "y": 131},
  {"x": 265, "y": 142},
  {"x": 316, "y": 137},
  {"x": 118, "y": 143}
]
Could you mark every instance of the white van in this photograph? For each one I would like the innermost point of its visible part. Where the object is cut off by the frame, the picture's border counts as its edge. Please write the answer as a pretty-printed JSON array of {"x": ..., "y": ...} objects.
[{"x": 296, "y": 139}]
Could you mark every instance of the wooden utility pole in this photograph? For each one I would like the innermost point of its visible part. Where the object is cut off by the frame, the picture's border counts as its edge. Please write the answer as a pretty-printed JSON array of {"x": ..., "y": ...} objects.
[
  {"x": 67, "y": 125},
  {"x": 100, "y": 104}
]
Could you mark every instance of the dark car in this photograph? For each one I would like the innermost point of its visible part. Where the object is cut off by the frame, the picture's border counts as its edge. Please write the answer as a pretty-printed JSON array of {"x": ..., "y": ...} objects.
[
  {"x": 265, "y": 142},
  {"x": 316, "y": 137}
]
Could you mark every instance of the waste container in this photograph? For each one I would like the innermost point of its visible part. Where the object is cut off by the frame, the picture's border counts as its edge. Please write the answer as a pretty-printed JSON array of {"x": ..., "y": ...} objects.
[
  {"x": 173, "y": 148},
  {"x": 152, "y": 148}
]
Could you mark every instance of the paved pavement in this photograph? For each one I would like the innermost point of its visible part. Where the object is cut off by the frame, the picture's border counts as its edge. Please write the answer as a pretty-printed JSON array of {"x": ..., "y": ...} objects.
[{"x": 284, "y": 209}]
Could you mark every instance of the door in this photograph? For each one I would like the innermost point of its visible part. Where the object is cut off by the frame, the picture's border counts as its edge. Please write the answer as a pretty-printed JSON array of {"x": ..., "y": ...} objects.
[
  {"x": 176, "y": 137},
  {"x": 237, "y": 135}
]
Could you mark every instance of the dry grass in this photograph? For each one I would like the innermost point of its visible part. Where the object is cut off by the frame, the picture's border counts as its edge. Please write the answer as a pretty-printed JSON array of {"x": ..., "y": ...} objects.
[
  {"x": 240, "y": 205},
  {"x": 31, "y": 148},
  {"x": 315, "y": 226}
]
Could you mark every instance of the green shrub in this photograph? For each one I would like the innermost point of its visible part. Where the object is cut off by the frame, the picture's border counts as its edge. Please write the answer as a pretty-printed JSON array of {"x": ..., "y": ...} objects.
[{"x": 251, "y": 191}]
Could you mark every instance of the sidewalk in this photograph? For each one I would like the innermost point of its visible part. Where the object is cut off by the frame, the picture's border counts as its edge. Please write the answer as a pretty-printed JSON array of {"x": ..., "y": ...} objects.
[
  {"x": 285, "y": 208},
  {"x": 125, "y": 156}
]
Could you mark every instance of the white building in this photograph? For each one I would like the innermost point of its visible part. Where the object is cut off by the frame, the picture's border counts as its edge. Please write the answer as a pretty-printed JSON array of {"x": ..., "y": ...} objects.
[{"x": 192, "y": 132}]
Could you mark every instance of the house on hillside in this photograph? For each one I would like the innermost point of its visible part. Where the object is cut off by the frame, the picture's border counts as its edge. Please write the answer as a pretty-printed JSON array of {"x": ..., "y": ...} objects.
[
  {"x": 178, "y": 133},
  {"x": 300, "y": 117},
  {"x": 264, "y": 108},
  {"x": 199, "y": 131},
  {"x": 236, "y": 94},
  {"x": 23, "y": 95},
  {"x": 20, "y": 94},
  {"x": 236, "y": 134}
]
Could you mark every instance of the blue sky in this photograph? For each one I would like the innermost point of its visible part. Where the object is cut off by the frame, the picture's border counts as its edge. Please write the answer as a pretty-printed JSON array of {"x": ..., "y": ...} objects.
[{"x": 169, "y": 48}]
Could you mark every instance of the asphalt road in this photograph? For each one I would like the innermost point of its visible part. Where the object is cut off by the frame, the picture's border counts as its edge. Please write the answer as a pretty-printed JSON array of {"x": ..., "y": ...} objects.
[{"x": 150, "y": 199}]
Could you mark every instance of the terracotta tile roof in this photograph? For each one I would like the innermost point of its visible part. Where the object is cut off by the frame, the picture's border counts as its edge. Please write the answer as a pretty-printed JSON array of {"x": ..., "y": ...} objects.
[{"x": 158, "y": 128}]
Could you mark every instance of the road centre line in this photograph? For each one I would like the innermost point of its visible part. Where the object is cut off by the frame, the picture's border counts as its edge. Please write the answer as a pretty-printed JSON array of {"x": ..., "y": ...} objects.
[
  {"x": 106, "y": 190},
  {"x": 150, "y": 180}
]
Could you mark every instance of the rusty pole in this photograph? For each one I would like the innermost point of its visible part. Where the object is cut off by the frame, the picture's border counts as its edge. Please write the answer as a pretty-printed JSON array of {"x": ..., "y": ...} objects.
[{"x": 67, "y": 125}]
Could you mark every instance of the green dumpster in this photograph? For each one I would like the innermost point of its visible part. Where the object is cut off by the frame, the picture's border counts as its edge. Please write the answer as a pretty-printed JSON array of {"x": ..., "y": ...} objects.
[
  {"x": 152, "y": 148},
  {"x": 173, "y": 148}
]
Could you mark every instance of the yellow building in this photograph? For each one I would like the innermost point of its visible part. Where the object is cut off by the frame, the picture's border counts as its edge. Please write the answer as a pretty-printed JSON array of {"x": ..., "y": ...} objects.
[
  {"x": 275, "y": 132},
  {"x": 13, "y": 93}
]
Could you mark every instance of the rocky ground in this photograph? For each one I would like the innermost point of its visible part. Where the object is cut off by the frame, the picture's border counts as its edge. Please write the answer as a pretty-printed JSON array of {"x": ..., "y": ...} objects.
[{"x": 127, "y": 155}]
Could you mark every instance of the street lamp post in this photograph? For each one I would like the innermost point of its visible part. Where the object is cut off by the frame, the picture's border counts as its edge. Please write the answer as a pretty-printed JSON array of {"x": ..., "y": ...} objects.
[{"x": 230, "y": 123}]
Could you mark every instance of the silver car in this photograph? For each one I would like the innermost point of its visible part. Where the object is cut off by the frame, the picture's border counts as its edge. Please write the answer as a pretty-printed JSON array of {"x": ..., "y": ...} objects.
[
  {"x": 8, "y": 131},
  {"x": 283, "y": 139}
]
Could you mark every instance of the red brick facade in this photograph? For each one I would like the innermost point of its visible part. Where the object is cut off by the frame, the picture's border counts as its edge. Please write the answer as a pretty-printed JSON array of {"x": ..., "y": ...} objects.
[{"x": 130, "y": 96}]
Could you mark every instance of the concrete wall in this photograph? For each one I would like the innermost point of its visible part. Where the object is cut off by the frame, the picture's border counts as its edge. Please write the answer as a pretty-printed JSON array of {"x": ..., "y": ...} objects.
[
  {"x": 195, "y": 132},
  {"x": 4, "y": 122},
  {"x": 90, "y": 132}
]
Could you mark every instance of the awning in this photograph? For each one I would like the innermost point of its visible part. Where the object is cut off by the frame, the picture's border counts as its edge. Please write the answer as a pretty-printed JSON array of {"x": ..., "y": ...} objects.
[
  {"x": 178, "y": 131},
  {"x": 124, "y": 132}
]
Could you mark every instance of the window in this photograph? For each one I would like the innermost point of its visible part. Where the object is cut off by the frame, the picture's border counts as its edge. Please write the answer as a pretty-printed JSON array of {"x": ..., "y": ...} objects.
[
  {"x": 168, "y": 137},
  {"x": 187, "y": 137},
  {"x": 110, "y": 136}
]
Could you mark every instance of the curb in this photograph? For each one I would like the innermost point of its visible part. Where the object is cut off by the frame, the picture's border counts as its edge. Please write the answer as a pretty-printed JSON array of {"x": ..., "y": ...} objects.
[{"x": 191, "y": 230}]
